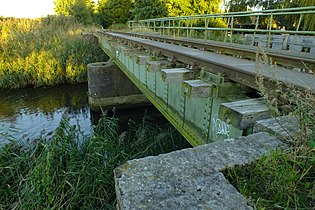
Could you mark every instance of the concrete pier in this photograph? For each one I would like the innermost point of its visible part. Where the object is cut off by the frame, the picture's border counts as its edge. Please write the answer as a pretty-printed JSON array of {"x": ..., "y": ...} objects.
[{"x": 109, "y": 87}]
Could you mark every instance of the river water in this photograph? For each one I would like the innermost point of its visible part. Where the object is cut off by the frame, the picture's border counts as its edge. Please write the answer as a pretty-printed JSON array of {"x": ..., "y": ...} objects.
[{"x": 28, "y": 114}]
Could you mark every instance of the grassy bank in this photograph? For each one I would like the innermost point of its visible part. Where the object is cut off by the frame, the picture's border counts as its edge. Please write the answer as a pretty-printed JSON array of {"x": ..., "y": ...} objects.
[
  {"x": 45, "y": 52},
  {"x": 68, "y": 173}
]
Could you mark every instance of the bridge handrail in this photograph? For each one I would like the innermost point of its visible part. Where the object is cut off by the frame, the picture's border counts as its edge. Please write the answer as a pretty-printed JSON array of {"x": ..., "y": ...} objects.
[
  {"x": 174, "y": 25},
  {"x": 301, "y": 10}
]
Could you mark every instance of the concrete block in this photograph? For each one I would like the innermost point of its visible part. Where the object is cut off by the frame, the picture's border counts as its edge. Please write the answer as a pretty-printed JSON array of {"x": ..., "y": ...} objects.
[
  {"x": 176, "y": 74},
  {"x": 197, "y": 88},
  {"x": 190, "y": 178},
  {"x": 108, "y": 86},
  {"x": 243, "y": 114},
  {"x": 158, "y": 65},
  {"x": 284, "y": 127},
  {"x": 142, "y": 59}
]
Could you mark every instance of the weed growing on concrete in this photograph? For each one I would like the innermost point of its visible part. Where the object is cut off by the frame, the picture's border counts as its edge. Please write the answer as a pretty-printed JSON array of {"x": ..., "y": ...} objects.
[
  {"x": 65, "y": 173},
  {"x": 285, "y": 179}
]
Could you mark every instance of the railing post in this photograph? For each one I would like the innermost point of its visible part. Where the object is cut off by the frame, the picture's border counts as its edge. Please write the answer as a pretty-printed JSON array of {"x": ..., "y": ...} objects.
[
  {"x": 174, "y": 31},
  {"x": 206, "y": 28},
  {"x": 178, "y": 31},
  {"x": 269, "y": 33},
  {"x": 191, "y": 25},
  {"x": 256, "y": 27},
  {"x": 232, "y": 26},
  {"x": 154, "y": 25},
  {"x": 187, "y": 28},
  {"x": 227, "y": 31}
]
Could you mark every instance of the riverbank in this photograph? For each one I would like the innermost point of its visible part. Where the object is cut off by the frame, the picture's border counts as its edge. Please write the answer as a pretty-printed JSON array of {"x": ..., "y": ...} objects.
[
  {"x": 66, "y": 173},
  {"x": 45, "y": 52}
]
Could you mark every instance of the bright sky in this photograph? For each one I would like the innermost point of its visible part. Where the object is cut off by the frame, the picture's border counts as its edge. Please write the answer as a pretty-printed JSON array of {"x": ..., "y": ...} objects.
[{"x": 26, "y": 8}]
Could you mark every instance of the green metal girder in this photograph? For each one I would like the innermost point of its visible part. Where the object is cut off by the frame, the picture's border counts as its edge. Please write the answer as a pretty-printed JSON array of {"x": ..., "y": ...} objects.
[
  {"x": 192, "y": 110},
  {"x": 171, "y": 116}
]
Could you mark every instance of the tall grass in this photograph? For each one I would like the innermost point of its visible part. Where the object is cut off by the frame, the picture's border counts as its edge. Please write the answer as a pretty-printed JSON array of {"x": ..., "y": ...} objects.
[
  {"x": 68, "y": 173},
  {"x": 44, "y": 52}
]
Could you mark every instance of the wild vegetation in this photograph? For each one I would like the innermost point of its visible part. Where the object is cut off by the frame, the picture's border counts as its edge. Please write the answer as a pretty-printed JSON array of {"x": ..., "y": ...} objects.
[
  {"x": 286, "y": 178},
  {"x": 45, "y": 52},
  {"x": 69, "y": 171}
]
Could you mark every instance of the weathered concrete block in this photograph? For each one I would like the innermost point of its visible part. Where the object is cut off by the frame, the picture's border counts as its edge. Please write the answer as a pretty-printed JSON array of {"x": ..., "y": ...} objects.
[
  {"x": 189, "y": 178},
  {"x": 176, "y": 74},
  {"x": 243, "y": 114},
  {"x": 158, "y": 65},
  {"x": 285, "y": 127},
  {"x": 142, "y": 59},
  {"x": 197, "y": 88}
]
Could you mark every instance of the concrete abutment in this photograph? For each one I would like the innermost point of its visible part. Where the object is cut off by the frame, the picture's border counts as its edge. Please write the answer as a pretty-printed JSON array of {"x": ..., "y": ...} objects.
[{"x": 109, "y": 87}]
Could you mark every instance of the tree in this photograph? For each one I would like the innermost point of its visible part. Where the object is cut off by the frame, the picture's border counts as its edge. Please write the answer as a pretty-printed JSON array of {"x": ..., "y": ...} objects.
[
  {"x": 115, "y": 11},
  {"x": 289, "y": 21},
  {"x": 80, "y": 9},
  {"x": 192, "y": 7},
  {"x": 146, "y": 9}
]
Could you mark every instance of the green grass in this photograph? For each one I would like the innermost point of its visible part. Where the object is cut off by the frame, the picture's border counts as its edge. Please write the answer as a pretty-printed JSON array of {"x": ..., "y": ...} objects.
[
  {"x": 45, "y": 52},
  {"x": 68, "y": 172},
  {"x": 283, "y": 180}
]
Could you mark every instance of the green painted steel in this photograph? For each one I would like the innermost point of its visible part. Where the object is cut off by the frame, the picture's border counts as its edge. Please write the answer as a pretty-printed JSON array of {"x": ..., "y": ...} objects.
[{"x": 189, "y": 100}]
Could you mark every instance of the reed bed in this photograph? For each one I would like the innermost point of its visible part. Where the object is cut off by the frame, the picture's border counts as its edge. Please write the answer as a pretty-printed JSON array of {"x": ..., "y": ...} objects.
[
  {"x": 45, "y": 52},
  {"x": 70, "y": 171}
]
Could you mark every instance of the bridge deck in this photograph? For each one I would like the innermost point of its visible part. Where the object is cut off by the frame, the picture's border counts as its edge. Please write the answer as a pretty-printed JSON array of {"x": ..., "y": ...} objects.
[
  {"x": 236, "y": 69},
  {"x": 283, "y": 57}
]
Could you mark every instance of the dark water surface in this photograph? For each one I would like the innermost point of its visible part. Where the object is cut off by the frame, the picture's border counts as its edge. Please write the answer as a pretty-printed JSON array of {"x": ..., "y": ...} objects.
[{"x": 28, "y": 114}]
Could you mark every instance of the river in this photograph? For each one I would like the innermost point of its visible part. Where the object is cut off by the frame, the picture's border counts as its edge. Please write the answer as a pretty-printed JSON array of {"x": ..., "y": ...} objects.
[{"x": 31, "y": 113}]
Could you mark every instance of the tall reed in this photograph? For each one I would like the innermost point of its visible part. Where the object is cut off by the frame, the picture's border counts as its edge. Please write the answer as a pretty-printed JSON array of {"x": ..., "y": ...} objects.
[
  {"x": 72, "y": 172},
  {"x": 45, "y": 52}
]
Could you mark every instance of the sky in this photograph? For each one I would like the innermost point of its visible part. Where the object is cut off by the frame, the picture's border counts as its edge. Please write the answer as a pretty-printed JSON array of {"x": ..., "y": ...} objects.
[{"x": 26, "y": 8}]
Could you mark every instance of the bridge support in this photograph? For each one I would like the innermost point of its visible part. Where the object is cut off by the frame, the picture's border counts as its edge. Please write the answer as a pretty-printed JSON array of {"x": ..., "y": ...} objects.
[{"x": 109, "y": 87}]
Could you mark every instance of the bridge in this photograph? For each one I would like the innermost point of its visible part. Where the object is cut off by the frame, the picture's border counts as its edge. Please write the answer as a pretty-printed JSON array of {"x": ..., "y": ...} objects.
[{"x": 209, "y": 90}]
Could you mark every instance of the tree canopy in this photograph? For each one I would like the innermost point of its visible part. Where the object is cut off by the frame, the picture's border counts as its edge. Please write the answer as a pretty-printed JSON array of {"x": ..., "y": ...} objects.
[
  {"x": 80, "y": 9},
  {"x": 146, "y": 9}
]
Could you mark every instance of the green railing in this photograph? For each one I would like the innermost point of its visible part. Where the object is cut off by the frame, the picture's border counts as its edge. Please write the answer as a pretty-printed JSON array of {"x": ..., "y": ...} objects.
[{"x": 227, "y": 24}]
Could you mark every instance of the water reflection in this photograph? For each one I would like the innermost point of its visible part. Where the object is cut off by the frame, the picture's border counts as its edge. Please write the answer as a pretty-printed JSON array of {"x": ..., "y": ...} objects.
[{"x": 27, "y": 114}]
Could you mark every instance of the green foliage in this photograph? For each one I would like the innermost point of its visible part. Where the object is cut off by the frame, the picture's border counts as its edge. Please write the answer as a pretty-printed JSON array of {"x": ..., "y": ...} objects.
[
  {"x": 80, "y": 9},
  {"x": 288, "y": 21},
  {"x": 115, "y": 11},
  {"x": 44, "y": 52},
  {"x": 146, "y": 9},
  {"x": 189, "y": 7},
  {"x": 67, "y": 172}
]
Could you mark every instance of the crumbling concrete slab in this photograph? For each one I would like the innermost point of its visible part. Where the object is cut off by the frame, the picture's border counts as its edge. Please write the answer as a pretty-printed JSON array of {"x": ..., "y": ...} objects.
[
  {"x": 189, "y": 178},
  {"x": 284, "y": 127}
]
